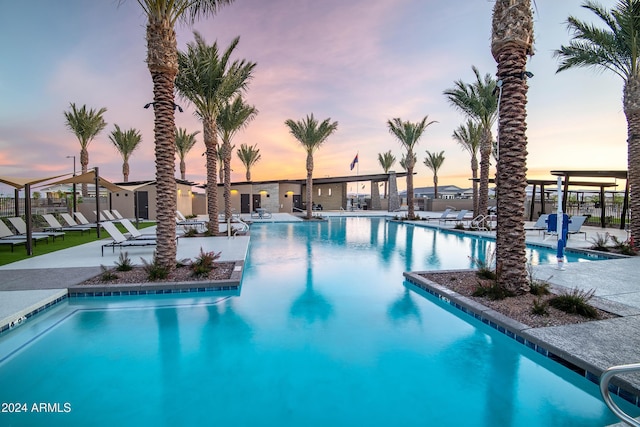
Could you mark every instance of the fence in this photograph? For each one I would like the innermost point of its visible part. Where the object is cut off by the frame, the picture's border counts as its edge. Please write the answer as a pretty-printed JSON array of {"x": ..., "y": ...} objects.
[{"x": 38, "y": 206}]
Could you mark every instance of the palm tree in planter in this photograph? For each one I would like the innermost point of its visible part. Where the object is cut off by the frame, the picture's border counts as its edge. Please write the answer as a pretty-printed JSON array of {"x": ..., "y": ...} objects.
[
  {"x": 86, "y": 125},
  {"x": 184, "y": 143},
  {"x": 469, "y": 137},
  {"x": 311, "y": 135},
  {"x": 162, "y": 61},
  {"x": 209, "y": 79},
  {"x": 233, "y": 117},
  {"x": 614, "y": 48},
  {"x": 434, "y": 162},
  {"x": 125, "y": 142},
  {"x": 249, "y": 156},
  {"x": 478, "y": 102},
  {"x": 511, "y": 45},
  {"x": 408, "y": 134},
  {"x": 386, "y": 160}
]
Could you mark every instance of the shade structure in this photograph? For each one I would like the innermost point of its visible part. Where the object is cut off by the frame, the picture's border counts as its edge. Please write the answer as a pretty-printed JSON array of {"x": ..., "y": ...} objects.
[{"x": 89, "y": 178}]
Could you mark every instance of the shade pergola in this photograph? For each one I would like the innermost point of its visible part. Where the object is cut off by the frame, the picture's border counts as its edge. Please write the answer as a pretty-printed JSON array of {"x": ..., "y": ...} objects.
[{"x": 619, "y": 174}]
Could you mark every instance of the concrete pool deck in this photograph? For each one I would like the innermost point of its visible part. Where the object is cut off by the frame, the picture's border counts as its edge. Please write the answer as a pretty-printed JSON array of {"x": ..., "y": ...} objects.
[{"x": 40, "y": 281}]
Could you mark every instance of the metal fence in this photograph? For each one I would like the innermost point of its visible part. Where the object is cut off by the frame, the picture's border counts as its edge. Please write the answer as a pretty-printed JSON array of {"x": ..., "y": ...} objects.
[{"x": 38, "y": 206}]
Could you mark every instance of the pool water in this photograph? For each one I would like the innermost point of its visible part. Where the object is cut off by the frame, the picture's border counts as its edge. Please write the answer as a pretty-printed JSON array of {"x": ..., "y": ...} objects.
[{"x": 325, "y": 332}]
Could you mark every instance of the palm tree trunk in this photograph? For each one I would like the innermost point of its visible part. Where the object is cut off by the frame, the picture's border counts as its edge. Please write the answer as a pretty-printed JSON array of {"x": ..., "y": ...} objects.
[
  {"x": 211, "y": 145},
  {"x": 183, "y": 170},
  {"x": 485, "y": 164},
  {"x": 248, "y": 175},
  {"x": 125, "y": 171},
  {"x": 435, "y": 185},
  {"x": 631, "y": 102},
  {"x": 411, "y": 211},
  {"x": 474, "y": 175},
  {"x": 309, "y": 185},
  {"x": 84, "y": 164},
  {"x": 227, "y": 180},
  {"x": 512, "y": 169}
]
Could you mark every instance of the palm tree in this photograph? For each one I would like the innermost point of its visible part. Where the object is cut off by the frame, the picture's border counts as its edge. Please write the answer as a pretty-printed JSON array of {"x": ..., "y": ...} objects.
[
  {"x": 408, "y": 134},
  {"x": 434, "y": 162},
  {"x": 468, "y": 136},
  {"x": 233, "y": 116},
  {"x": 85, "y": 124},
  {"x": 614, "y": 49},
  {"x": 311, "y": 135},
  {"x": 209, "y": 80},
  {"x": 511, "y": 45},
  {"x": 479, "y": 103},
  {"x": 386, "y": 160},
  {"x": 184, "y": 143},
  {"x": 249, "y": 156},
  {"x": 125, "y": 142},
  {"x": 162, "y": 61},
  {"x": 403, "y": 161}
]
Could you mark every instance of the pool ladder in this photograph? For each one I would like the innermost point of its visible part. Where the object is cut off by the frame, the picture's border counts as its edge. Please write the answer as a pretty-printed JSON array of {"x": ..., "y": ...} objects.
[{"x": 605, "y": 378}]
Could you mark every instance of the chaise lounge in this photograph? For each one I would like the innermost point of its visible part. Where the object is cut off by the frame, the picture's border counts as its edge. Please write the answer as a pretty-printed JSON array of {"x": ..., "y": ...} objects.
[{"x": 120, "y": 240}]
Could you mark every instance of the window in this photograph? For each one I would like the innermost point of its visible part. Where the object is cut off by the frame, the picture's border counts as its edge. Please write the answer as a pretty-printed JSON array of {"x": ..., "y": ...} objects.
[
  {"x": 319, "y": 191},
  {"x": 329, "y": 192}
]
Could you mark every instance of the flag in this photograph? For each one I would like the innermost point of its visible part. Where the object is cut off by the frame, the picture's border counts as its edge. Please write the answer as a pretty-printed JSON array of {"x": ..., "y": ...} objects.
[{"x": 355, "y": 160}]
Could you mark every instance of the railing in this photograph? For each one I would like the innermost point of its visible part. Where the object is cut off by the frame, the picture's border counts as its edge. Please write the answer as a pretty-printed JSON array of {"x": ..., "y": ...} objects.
[{"x": 605, "y": 378}]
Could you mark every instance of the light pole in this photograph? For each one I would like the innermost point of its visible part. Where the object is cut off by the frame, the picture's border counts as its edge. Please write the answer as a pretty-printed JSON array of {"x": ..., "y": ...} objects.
[{"x": 74, "y": 184}]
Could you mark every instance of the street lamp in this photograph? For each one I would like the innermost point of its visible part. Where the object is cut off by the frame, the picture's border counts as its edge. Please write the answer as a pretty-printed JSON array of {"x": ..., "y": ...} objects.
[{"x": 74, "y": 184}]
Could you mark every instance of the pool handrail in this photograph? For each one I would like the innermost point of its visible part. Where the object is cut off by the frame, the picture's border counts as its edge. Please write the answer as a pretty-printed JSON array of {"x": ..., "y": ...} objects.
[{"x": 605, "y": 378}]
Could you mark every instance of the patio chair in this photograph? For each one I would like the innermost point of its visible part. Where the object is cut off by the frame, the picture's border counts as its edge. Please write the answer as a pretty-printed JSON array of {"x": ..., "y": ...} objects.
[
  {"x": 72, "y": 222},
  {"x": 8, "y": 238},
  {"x": 7, "y": 234},
  {"x": 575, "y": 225},
  {"x": 185, "y": 223},
  {"x": 21, "y": 227},
  {"x": 134, "y": 233},
  {"x": 443, "y": 216},
  {"x": 54, "y": 225},
  {"x": 120, "y": 240},
  {"x": 540, "y": 225},
  {"x": 458, "y": 218},
  {"x": 83, "y": 220},
  {"x": 116, "y": 214}
]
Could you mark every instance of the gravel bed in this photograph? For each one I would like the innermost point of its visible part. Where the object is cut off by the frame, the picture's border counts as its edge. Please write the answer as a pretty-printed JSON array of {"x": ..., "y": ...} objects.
[{"x": 222, "y": 271}]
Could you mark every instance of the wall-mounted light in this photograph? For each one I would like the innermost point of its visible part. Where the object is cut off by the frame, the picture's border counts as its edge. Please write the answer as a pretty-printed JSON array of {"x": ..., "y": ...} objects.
[{"x": 234, "y": 191}]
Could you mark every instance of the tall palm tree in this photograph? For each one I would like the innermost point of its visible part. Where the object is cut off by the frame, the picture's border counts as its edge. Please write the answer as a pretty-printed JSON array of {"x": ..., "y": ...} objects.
[
  {"x": 434, "y": 162},
  {"x": 162, "y": 61},
  {"x": 220, "y": 165},
  {"x": 249, "y": 156},
  {"x": 125, "y": 142},
  {"x": 478, "y": 102},
  {"x": 386, "y": 160},
  {"x": 233, "y": 116},
  {"x": 616, "y": 49},
  {"x": 85, "y": 124},
  {"x": 511, "y": 45},
  {"x": 468, "y": 136},
  {"x": 209, "y": 79},
  {"x": 311, "y": 135},
  {"x": 408, "y": 134},
  {"x": 403, "y": 161},
  {"x": 184, "y": 143}
]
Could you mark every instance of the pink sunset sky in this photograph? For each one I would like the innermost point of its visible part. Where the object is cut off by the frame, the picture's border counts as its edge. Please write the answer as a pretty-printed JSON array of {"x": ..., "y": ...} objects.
[{"x": 359, "y": 62}]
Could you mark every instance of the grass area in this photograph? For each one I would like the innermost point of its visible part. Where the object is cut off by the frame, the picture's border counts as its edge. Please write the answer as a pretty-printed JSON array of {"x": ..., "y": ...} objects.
[{"x": 71, "y": 238}]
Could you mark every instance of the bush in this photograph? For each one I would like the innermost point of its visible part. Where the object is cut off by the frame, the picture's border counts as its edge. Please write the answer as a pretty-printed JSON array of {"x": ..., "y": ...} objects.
[
  {"x": 539, "y": 288},
  {"x": 575, "y": 302},
  {"x": 124, "y": 262},
  {"x": 204, "y": 263},
  {"x": 600, "y": 242},
  {"x": 107, "y": 275},
  {"x": 154, "y": 270},
  {"x": 190, "y": 232},
  {"x": 492, "y": 291},
  {"x": 540, "y": 307},
  {"x": 458, "y": 226},
  {"x": 624, "y": 248},
  {"x": 485, "y": 267}
]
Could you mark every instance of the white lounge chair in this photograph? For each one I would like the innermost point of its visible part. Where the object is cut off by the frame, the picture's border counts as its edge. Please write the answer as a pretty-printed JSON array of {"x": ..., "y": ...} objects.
[
  {"x": 7, "y": 234},
  {"x": 444, "y": 215},
  {"x": 540, "y": 225},
  {"x": 54, "y": 225},
  {"x": 134, "y": 233},
  {"x": 458, "y": 218},
  {"x": 116, "y": 214},
  {"x": 575, "y": 224},
  {"x": 120, "y": 240},
  {"x": 83, "y": 220},
  {"x": 21, "y": 227}
]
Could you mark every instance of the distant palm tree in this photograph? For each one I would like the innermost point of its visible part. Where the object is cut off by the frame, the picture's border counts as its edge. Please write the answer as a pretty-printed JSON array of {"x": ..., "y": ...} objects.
[
  {"x": 614, "y": 49},
  {"x": 162, "y": 61},
  {"x": 434, "y": 162},
  {"x": 469, "y": 136},
  {"x": 125, "y": 142},
  {"x": 184, "y": 143},
  {"x": 249, "y": 156},
  {"x": 408, "y": 134},
  {"x": 386, "y": 160},
  {"x": 311, "y": 135},
  {"x": 209, "y": 80},
  {"x": 511, "y": 45},
  {"x": 85, "y": 124},
  {"x": 233, "y": 116},
  {"x": 478, "y": 102}
]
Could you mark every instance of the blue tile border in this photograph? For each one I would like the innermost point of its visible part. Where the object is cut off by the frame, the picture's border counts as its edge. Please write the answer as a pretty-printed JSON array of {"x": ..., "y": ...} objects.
[
  {"x": 486, "y": 316},
  {"x": 7, "y": 327}
]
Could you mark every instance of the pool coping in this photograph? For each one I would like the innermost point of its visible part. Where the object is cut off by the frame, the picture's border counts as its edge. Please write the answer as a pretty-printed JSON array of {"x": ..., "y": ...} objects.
[{"x": 520, "y": 333}]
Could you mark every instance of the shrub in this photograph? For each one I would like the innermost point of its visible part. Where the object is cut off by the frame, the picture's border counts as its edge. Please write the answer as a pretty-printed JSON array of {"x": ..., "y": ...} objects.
[
  {"x": 539, "y": 288},
  {"x": 154, "y": 270},
  {"x": 107, "y": 275},
  {"x": 493, "y": 291},
  {"x": 204, "y": 263},
  {"x": 540, "y": 307},
  {"x": 600, "y": 242},
  {"x": 458, "y": 226},
  {"x": 575, "y": 302},
  {"x": 190, "y": 232},
  {"x": 624, "y": 248},
  {"x": 485, "y": 266},
  {"x": 124, "y": 262}
]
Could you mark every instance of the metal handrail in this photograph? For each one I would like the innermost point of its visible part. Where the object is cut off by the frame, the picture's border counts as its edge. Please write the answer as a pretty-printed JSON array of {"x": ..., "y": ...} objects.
[{"x": 605, "y": 378}]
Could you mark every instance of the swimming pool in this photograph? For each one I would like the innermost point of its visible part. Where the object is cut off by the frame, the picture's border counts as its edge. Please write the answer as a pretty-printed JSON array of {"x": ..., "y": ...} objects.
[{"x": 325, "y": 332}]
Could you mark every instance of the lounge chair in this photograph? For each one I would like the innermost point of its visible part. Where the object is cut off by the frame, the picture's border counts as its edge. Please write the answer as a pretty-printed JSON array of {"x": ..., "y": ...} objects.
[
  {"x": 458, "y": 218},
  {"x": 21, "y": 227},
  {"x": 54, "y": 225},
  {"x": 134, "y": 233},
  {"x": 540, "y": 225},
  {"x": 83, "y": 220},
  {"x": 182, "y": 221},
  {"x": 120, "y": 240},
  {"x": 443, "y": 216},
  {"x": 116, "y": 214},
  {"x": 7, "y": 234},
  {"x": 72, "y": 222},
  {"x": 261, "y": 213},
  {"x": 575, "y": 224}
]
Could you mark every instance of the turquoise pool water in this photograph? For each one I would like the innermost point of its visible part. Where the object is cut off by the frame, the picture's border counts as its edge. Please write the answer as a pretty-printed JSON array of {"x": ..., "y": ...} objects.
[{"x": 325, "y": 332}]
